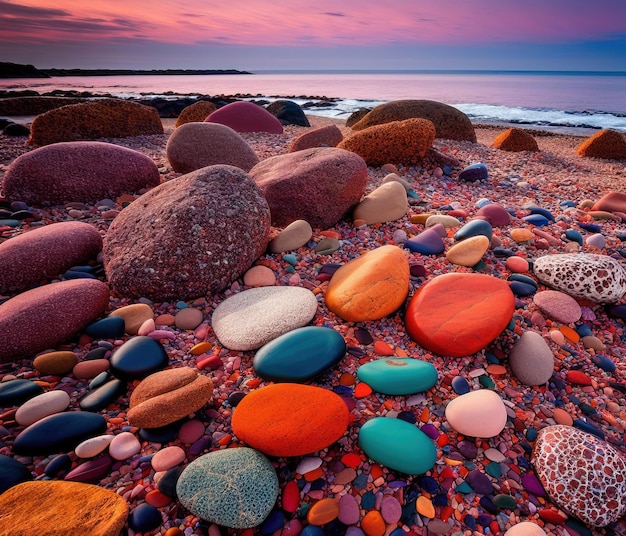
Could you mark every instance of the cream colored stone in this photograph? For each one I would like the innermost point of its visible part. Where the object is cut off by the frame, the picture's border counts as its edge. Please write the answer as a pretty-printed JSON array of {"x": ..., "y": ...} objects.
[
  {"x": 294, "y": 236},
  {"x": 387, "y": 203},
  {"x": 134, "y": 316},
  {"x": 449, "y": 222},
  {"x": 479, "y": 413},
  {"x": 468, "y": 252}
]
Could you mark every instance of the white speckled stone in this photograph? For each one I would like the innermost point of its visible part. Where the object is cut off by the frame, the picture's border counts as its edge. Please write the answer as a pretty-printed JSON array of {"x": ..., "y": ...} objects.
[
  {"x": 254, "y": 317},
  {"x": 531, "y": 359},
  {"x": 597, "y": 278},
  {"x": 41, "y": 406}
]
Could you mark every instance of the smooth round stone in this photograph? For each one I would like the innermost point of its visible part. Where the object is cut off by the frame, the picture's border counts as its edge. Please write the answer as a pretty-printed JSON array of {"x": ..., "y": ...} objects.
[
  {"x": 104, "y": 395},
  {"x": 531, "y": 359},
  {"x": 460, "y": 385},
  {"x": 188, "y": 318},
  {"x": 558, "y": 305},
  {"x": 538, "y": 220},
  {"x": 398, "y": 445},
  {"x": 495, "y": 214},
  {"x": 55, "y": 362},
  {"x": 134, "y": 316},
  {"x": 41, "y": 406},
  {"x": 349, "y": 511},
  {"x": 517, "y": 264},
  {"x": 596, "y": 240},
  {"x": 13, "y": 472},
  {"x": 15, "y": 392},
  {"x": 428, "y": 242},
  {"x": 474, "y": 228},
  {"x": 398, "y": 376},
  {"x": 449, "y": 222},
  {"x": 235, "y": 488},
  {"x": 474, "y": 172},
  {"x": 86, "y": 370},
  {"x": 311, "y": 418},
  {"x": 191, "y": 431},
  {"x": 292, "y": 237},
  {"x": 581, "y": 473},
  {"x": 386, "y": 203},
  {"x": 522, "y": 289},
  {"x": 254, "y": 317},
  {"x": 259, "y": 276},
  {"x": 468, "y": 252},
  {"x": 373, "y": 524},
  {"x": 525, "y": 528},
  {"x": 391, "y": 510},
  {"x": 574, "y": 236},
  {"x": 327, "y": 246},
  {"x": 144, "y": 518},
  {"x": 300, "y": 355},
  {"x": 479, "y": 413},
  {"x": 521, "y": 235},
  {"x": 562, "y": 417},
  {"x": 604, "y": 362},
  {"x": 60, "y": 432},
  {"x": 165, "y": 459},
  {"x": 137, "y": 358},
  {"x": 107, "y": 328},
  {"x": 458, "y": 314},
  {"x": 322, "y": 512},
  {"x": 371, "y": 286},
  {"x": 123, "y": 446},
  {"x": 93, "y": 446}
]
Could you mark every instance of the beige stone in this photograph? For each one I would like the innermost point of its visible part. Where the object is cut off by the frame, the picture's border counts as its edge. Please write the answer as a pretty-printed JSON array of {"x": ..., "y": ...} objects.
[
  {"x": 468, "y": 252},
  {"x": 449, "y": 222},
  {"x": 134, "y": 316},
  {"x": 387, "y": 203},
  {"x": 294, "y": 236},
  {"x": 55, "y": 362}
]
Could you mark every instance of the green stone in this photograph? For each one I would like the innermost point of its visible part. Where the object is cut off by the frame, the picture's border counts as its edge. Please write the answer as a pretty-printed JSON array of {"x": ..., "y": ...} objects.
[
  {"x": 506, "y": 502},
  {"x": 487, "y": 382},
  {"x": 464, "y": 487},
  {"x": 494, "y": 470},
  {"x": 398, "y": 445},
  {"x": 398, "y": 376}
]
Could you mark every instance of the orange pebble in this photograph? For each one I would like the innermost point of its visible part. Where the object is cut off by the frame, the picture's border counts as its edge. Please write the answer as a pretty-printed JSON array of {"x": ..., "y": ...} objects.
[
  {"x": 200, "y": 348},
  {"x": 173, "y": 531},
  {"x": 322, "y": 512},
  {"x": 401, "y": 353},
  {"x": 376, "y": 471},
  {"x": 225, "y": 440},
  {"x": 158, "y": 499},
  {"x": 373, "y": 524},
  {"x": 425, "y": 507},
  {"x": 496, "y": 370},
  {"x": 570, "y": 333},
  {"x": 362, "y": 390},
  {"x": 443, "y": 440},
  {"x": 314, "y": 475},
  {"x": 331, "y": 234},
  {"x": 382, "y": 348}
]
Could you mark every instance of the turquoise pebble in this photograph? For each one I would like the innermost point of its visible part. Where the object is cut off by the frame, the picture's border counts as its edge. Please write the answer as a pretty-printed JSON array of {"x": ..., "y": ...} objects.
[
  {"x": 412, "y": 194},
  {"x": 574, "y": 236},
  {"x": 493, "y": 469},
  {"x": 397, "y": 445},
  {"x": 398, "y": 376},
  {"x": 181, "y": 305},
  {"x": 531, "y": 434},
  {"x": 9, "y": 223},
  {"x": 464, "y": 487},
  {"x": 290, "y": 269},
  {"x": 290, "y": 258},
  {"x": 486, "y": 382}
]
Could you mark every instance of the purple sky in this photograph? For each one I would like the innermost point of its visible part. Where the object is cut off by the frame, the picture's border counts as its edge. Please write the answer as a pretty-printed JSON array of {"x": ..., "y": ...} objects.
[{"x": 322, "y": 34}]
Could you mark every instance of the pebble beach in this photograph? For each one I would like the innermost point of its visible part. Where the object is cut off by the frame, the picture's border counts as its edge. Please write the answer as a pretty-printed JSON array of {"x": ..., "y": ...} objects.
[{"x": 346, "y": 478}]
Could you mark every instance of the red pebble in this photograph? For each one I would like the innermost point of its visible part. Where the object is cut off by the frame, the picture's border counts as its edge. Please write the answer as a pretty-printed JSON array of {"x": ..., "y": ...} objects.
[
  {"x": 551, "y": 516},
  {"x": 158, "y": 499},
  {"x": 362, "y": 390},
  {"x": 212, "y": 362},
  {"x": 291, "y": 497},
  {"x": 382, "y": 348},
  {"x": 578, "y": 377}
]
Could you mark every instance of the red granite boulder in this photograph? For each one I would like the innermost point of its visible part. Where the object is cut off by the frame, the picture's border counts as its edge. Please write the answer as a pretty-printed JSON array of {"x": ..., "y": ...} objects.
[
  {"x": 198, "y": 111},
  {"x": 103, "y": 118},
  {"x": 188, "y": 237},
  {"x": 243, "y": 116},
  {"x": 450, "y": 123},
  {"x": 46, "y": 252},
  {"x": 607, "y": 144},
  {"x": 46, "y": 316},
  {"x": 328, "y": 136},
  {"x": 84, "y": 171},
  {"x": 318, "y": 185},
  {"x": 196, "y": 145},
  {"x": 515, "y": 140}
]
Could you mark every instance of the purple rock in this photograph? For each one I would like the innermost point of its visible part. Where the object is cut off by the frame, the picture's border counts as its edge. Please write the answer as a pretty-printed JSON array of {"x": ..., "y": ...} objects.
[
  {"x": 363, "y": 336},
  {"x": 480, "y": 482},
  {"x": 495, "y": 214},
  {"x": 430, "y": 430},
  {"x": 90, "y": 471},
  {"x": 531, "y": 483},
  {"x": 469, "y": 450},
  {"x": 475, "y": 172},
  {"x": 427, "y": 242}
]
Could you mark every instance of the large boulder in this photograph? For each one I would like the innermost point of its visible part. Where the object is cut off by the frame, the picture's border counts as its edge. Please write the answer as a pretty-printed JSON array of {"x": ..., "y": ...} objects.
[
  {"x": 198, "y": 111},
  {"x": 328, "y": 136},
  {"x": 607, "y": 144},
  {"x": 188, "y": 237},
  {"x": 196, "y": 145},
  {"x": 515, "y": 140},
  {"x": 396, "y": 142},
  {"x": 105, "y": 118},
  {"x": 288, "y": 113},
  {"x": 84, "y": 171},
  {"x": 317, "y": 185},
  {"x": 243, "y": 116},
  {"x": 450, "y": 123},
  {"x": 46, "y": 252}
]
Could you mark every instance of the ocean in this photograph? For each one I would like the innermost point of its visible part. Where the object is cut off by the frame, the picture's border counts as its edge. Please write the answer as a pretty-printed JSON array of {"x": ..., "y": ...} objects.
[{"x": 567, "y": 102}]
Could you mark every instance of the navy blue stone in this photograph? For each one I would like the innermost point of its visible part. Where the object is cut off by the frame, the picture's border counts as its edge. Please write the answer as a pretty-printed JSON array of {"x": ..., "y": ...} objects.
[
  {"x": 273, "y": 522},
  {"x": 486, "y": 503},
  {"x": 484, "y": 520},
  {"x": 531, "y": 434},
  {"x": 618, "y": 311},
  {"x": 12, "y": 472},
  {"x": 15, "y": 392},
  {"x": 360, "y": 481},
  {"x": 429, "y": 484},
  {"x": 144, "y": 518},
  {"x": 470, "y": 522},
  {"x": 329, "y": 268},
  {"x": 621, "y": 236},
  {"x": 522, "y": 289},
  {"x": 107, "y": 328},
  {"x": 474, "y": 228},
  {"x": 583, "y": 330},
  {"x": 475, "y": 172},
  {"x": 503, "y": 253},
  {"x": 99, "y": 380},
  {"x": 59, "y": 433},
  {"x": 603, "y": 362},
  {"x": 407, "y": 416},
  {"x": 589, "y": 428},
  {"x": 103, "y": 396},
  {"x": 58, "y": 466},
  {"x": 441, "y": 499},
  {"x": 397, "y": 532},
  {"x": 312, "y": 530},
  {"x": 543, "y": 212},
  {"x": 587, "y": 409},
  {"x": 368, "y": 500},
  {"x": 460, "y": 385},
  {"x": 574, "y": 236},
  {"x": 138, "y": 358},
  {"x": 167, "y": 483},
  {"x": 590, "y": 227},
  {"x": 96, "y": 353},
  {"x": 536, "y": 219},
  {"x": 73, "y": 274}
]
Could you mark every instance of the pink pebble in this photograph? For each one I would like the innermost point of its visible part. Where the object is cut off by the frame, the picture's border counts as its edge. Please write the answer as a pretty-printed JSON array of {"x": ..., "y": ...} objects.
[
  {"x": 167, "y": 458},
  {"x": 191, "y": 431},
  {"x": 162, "y": 334},
  {"x": 517, "y": 264},
  {"x": 85, "y": 370},
  {"x": 391, "y": 510},
  {"x": 349, "y": 511},
  {"x": 147, "y": 327},
  {"x": 212, "y": 362},
  {"x": 124, "y": 446},
  {"x": 259, "y": 276},
  {"x": 292, "y": 527}
]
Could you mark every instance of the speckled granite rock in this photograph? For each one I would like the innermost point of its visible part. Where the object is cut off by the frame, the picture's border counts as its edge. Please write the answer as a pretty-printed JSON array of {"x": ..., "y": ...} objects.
[
  {"x": 608, "y": 144},
  {"x": 198, "y": 111},
  {"x": 328, "y": 136},
  {"x": 515, "y": 140}
]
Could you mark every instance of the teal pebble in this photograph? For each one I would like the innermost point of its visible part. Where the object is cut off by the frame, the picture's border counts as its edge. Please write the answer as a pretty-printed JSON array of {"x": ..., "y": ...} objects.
[
  {"x": 505, "y": 502},
  {"x": 493, "y": 469},
  {"x": 290, "y": 269},
  {"x": 181, "y": 305},
  {"x": 487, "y": 382},
  {"x": 290, "y": 258},
  {"x": 398, "y": 445},
  {"x": 398, "y": 376},
  {"x": 464, "y": 488},
  {"x": 574, "y": 236},
  {"x": 9, "y": 223}
]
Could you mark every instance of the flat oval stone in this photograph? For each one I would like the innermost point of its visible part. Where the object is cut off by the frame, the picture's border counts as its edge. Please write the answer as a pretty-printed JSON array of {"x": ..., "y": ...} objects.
[
  {"x": 292, "y": 237},
  {"x": 581, "y": 473},
  {"x": 300, "y": 355},
  {"x": 93, "y": 446},
  {"x": 531, "y": 359},
  {"x": 474, "y": 228},
  {"x": 165, "y": 459},
  {"x": 371, "y": 286},
  {"x": 323, "y": 511},
  {"x": 134, "y": 316},
  {"x": 311, "y": 418},
  {"x": 398, "y": 376},
  {"x": 107, "y": 328},
  {"x": 58, "y": 433},
  {"x": 14, "y": 472},
  {"x": 517, "y": 264},
  {"x": 92, "y": 470},
  {"x": 259, "y": 276},
  {"x": 349, "y": 511},
  {"x": 188, "y": 318},
  {"x": 468, "y": 252},
  {"x": 254, "y": 317},
  {"x": 234, "y": 488},
  {"x": 385, "y": 204},
  {"x": 458, "y": 314},
  {"x": 558, "y": 305},
  {"x": 495, "y": 214},
  {"x": 474, "y": 172},
  {"x": 144, "y": 518},
  {"x": 397, "y": 444},
  {"x": 449, "y": 222},
  {"x": 41, "y": 406},
  {"x": 428, "y": 242},
  {"x": 14, "y": 392},
  {"x": 137, "y": 358},
  {"x": 104, "y": 395},
  {"x": 479, "y": 413},
  {"x": 123, "y": 446},
  {"x": 55, "y": 362}
]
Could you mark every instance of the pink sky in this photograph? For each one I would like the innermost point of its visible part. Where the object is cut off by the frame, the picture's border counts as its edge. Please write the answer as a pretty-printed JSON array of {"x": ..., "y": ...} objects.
[{"x": 307, "y": 24}]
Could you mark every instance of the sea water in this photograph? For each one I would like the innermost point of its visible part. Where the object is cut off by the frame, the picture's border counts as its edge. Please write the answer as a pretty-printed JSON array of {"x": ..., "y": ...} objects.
[{"x": 559, "y": 101}]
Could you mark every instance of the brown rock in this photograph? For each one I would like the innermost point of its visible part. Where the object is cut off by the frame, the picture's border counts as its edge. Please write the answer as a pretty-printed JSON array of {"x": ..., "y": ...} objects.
[
  {"x": 55, "y": 362},
  {"x": 34, "y": 105},
  {"x": 386, "y": 203},
  {"x": 84, "y": 171},
  {"x": 197, "y": 145},
  {"x": 46, "y": 252},
  {"x": 608, "y": 144},
  {"x": 328, "y": 136},
  {"x": 398, "y": 142},
  {"x": 449, "y": 122},
  {"x": 355, "y": 117},
  {"x": 51, "y": 507},
  {"x": 318, "y": 185},
  {"x": 188, "y": 237},
  {"x": 46, "y": 316},
  {"x": 105, "y": 118},
  {"x": 167, "y": 396},
  {"x": 198, "y": 111},
  {"x": 611, "y": 202},
  {"x": 86, "y": 370},
  {"x": 134, "y": 316},
  {"x": 515, "y": 140}
]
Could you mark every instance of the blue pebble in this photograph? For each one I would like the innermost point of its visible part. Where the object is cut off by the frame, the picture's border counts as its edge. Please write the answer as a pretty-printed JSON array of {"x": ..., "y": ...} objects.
[
  {"x": 544, "y": 212},
  {"x": 312, "y": 530},
  {"x": 290, "y": 258},
  {"x": 181, "y": 305},
  {"x": 470, "y": 522},
  {"x": 503, "y": 253},
  {"x": 9, "y": 223},
  {"x": 460, "y": 385},
  {"x": 536, "y": 219},
  {"x": 368, "y": 500},
  {"x": 273, "y": 522},
  {"x": 531, "y": 434},
  {"x": 583, "y": 330},
  {"x": 441, "y": 499},
  {"x": 574, "y": 236},
  {"x": 360, "y": 481},
  {"x": 74, "y": 274},
  {"x": 488, "y": 505},
  {"x": 589, "y": 428},
  {"x": 491, "y": 358},
  {"x": 603, "y": 362},
  {"x": 621, "y": 236},
  {"x": 474, "y": 172},
  {"x": 108, "y": 328},
  {"x": 567, "y": 204},
  {"x": 522, "y": 289},
  {"x": 590, "y": 227},
  {"x": 523, "y": 279},
  {"x": 429, "y": 484},
  {"x": 144, "y": 518},
  {"x": 397, "y": 532},
  {"x": 447, "y": 170},
  {"x": 57, "y": 465}
]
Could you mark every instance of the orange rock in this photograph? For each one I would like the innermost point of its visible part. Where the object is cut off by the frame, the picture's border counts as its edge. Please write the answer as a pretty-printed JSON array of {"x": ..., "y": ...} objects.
[
  {"x": 198, "y": 111},
  {"x": 322, "y": 512},
  {"x": 373, "y": 524},
  {"x": 515, "y": 140},
  {"x": 289, "y": 419},
  {"x": 369, "y": 287},
  {"x": 362, "y": 390},
  {"x": 522, "y": 235},
  {"x": 382, "y": 348},
  {"x": 570, "y": 333},
  {"x": 55, "y": 362},
  {"x": 608, "y": 144}
]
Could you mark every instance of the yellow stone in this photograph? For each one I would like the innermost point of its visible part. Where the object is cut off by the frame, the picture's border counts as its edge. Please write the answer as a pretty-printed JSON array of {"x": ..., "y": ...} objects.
[
  {"x": 420, "y": 219},
  {"x": 134, "y": 316},
  {"x": 468, "y": 252},
  {"x": 522, "y": 235},
  {"x": 425, "y": 507}
]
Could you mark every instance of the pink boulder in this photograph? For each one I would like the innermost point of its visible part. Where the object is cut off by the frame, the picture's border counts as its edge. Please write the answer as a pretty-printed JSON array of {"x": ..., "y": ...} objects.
[
  {"x": 46, "y": 252},
  {"x": 46, "y": 316},
  {"x": 243, "y": 116},
  {"x": 318, "y": 185},
  {"x": 196, "y": 145},
  {"x": 328, "y": 136},
  {"x": 84, "y": 171}
]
